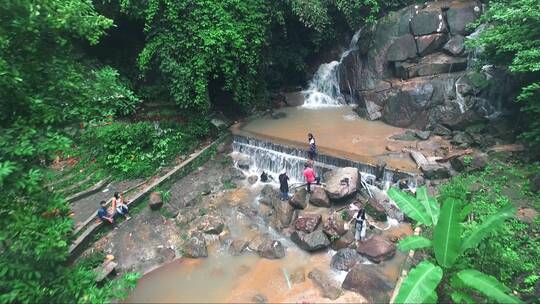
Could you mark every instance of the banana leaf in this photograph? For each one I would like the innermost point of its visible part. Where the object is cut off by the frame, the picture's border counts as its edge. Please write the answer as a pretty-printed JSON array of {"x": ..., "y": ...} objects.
[
  {"x": 447, "y": 233},
  {"x": 414, "y": 242},
  {"x": 410, "y": 206},
  {"x": 420, "y": 284},
  {"x": 489, "y": 224},
  {"x": 430, "y": 204},
  {"x": 487, "y": 285}
]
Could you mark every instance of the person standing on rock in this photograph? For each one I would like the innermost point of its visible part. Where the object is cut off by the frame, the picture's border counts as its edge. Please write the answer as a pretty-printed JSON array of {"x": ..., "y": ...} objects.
[
  {"x": 361, "y": 223},
  {"x": 312, "y": 153},
  {"x": 309, "y": 174},
  {"x": 119, "y": 207},
  {"x": 284, "y": 185}
]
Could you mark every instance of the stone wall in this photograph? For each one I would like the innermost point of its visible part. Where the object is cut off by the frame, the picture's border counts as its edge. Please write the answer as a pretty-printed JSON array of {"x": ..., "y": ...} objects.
[{"x": 411, "y": 69}]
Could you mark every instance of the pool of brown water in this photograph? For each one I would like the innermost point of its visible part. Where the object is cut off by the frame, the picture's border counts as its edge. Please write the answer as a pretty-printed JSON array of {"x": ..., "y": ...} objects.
[{"x": 338, "y": 131}]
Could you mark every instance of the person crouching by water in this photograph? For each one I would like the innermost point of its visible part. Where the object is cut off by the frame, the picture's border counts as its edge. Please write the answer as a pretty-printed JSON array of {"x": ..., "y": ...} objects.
[
  {"x": 309, "y": 174},
  {"x": 104, "y": 215},
  {"x": 312, "y": 153},
  {"x": 361, "y": 224},
  {"x": 284, "y": 185},
  {"x": 119, "y": 206}
]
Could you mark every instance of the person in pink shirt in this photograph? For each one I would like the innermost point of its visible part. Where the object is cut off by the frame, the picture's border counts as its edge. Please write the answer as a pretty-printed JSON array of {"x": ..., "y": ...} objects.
[{"x": 309, "y": 174}]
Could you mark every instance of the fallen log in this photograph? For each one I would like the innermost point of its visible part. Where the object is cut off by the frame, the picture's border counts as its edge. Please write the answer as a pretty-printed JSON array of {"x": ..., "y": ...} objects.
[{"x": 454, "y": 155}]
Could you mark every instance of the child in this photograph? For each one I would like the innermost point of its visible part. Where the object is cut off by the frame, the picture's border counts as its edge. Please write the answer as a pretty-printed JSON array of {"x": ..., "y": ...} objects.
[{"x": 119, "y": 207}]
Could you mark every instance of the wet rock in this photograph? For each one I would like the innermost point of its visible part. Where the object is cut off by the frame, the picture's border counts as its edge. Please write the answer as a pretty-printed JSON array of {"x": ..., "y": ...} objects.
[
  {"x": 252, "y": 179},
  {"x": 455, "y": 46},
  {"x": 382, "y": 199},
  {"x": 346, "y": 259},
  {"x": 433, "y": 64},
  {"x": 334, "y": 226},
  {"x": 534, "y": 182},
  {"x": 269, "y": 194},
  {"x": 423, "y": 135},
  {"x": 165, "y": 254},
  {"x": 294, "y": 99},
  {"x": 237, "y": 247},
  {"x": 341, "y": 183},
  {"x": 210, "y": 224},
  {"x": 376, "y": 249},
  {"x": 155, "y": 201},
  {"x": 278, "y": 115},
  {"x": 283, "y": 212},
  {"x": 299, "y": 199},
  {"x": 319, "y": 197},
  {"x": 195, "y": 246},
  {"x": 368, "y": 281},
  {"x": 435, "y": 171},
  {"x": 459, "y": 16},
  {"x": 375, "y": 210},
  {"x": 380, "y": 167},
  {"x": 441, "y": 130},
  {"x": 307, "y": 222},
  {"x": 402, "y": 48},
  {"x": 328, "y": 288},
  {"x": 462, "y": 139},
  {"x": 298, "y": 275},
  {"x": 314, "y": 241},
  {"x": 243, "y": 162},
  {"x": 271, "y": 249},
  {"x": 257, "y": 240},
  {"x": 430, "y": 43},
  {"x": 407, "y": 136},
  {"x": 427, "y": 22},
  {"x": 259, "y": 298},
  {"x": 343, "y": 241}
]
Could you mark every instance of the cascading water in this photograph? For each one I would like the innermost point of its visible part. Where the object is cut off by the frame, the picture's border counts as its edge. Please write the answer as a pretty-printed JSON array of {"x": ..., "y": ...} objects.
[{"x": 323, "y": 90}]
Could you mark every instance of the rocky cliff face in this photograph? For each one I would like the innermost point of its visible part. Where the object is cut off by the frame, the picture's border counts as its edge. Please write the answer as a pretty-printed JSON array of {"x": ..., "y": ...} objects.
[{"x": 412, "y": 70}]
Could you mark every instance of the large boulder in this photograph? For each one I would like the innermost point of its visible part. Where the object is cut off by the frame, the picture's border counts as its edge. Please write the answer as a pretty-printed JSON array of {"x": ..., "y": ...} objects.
[
  {"x": 430, "y": 43},
  {"x": 210, "y": 224},
  {"x": 435, "y": 171},
  {"x": 271, "y": 249},
  {"x": 314, "y": 241},
  {"x": 459, "y": 15},
  {"x": 368, "y": 281},
  {"x": 341, "y": 183},
  {"x": 433, "y": 64},
  {"x": 402, "y": 48},
  {"x": 345, "y": 259},
  {"x": 427, "y": 22},
  {"x": 294, "y": 99},
  {"x": 328, "y": 288},
  {"x": 375, "y": 209},
  {"x": 269, "y": 194},
  {"x": 155, "y": 201},
  {"x": 283, "y": 212},
  {"x": 343, "y": 241},
  {"x": 376, "y": 249},
  {"x": 299, "y": 199},
  {"x": 307, "y": 222},
  {"x": 334, "y": 226},
  {"x": 237, "y": 247},
  {"x": 455, "y": 46},
  {"x": 195, "y": 246},
  {"x": 319, "y": 197}
]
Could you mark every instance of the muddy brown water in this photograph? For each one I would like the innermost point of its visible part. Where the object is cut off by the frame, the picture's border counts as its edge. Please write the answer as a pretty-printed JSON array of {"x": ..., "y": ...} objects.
[{"x": 338, "y": 131}]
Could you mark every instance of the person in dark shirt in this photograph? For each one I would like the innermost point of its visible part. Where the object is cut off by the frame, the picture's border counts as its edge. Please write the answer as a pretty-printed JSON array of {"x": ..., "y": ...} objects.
[
  {"x": 284, "y": 185},
  {"x": 103, "y": 214}
]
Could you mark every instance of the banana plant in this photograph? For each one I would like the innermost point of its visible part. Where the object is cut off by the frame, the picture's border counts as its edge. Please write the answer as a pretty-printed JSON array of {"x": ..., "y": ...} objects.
[{"x": 447, "y": 244}]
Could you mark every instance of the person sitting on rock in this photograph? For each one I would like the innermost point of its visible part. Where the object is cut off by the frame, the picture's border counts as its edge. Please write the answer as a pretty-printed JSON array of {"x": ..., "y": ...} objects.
[
  {"x": 284, "y": 185},
  {"x": 264, "y": 177},
  {"x": 312, "y": 153},
  {"x": 103, "y": 213},
  {"x": 309, "y": 174},
  {"x": 119, "y": 207}
]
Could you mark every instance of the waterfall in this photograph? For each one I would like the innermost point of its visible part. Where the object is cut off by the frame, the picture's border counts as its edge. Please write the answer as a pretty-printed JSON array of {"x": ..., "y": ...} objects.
[
  {"x": 272, "y": 158},
  {"x": 323, "y": 90}
]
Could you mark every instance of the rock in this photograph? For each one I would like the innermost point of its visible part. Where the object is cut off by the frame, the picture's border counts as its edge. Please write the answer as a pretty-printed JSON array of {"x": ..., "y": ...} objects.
[
  {"x": 534, "y": 182},
  {"x": 390, "y": 148},
  {"x": 376, "y": 249},
  {"x": 334, "y": 226},
  {"x": 368, "y": 281},
  {"x": 433, "y": 64},
  {"x": 344, "y": 241},
  {"x": 294, "y": 99},
  {"x": 252, "y": 179},
  {"x": 402, "y": 48},
  {"x": 195, "y": 246},
  {"x": 278, "y": 115},
  {"x": 527, "y": 215},
  {"x": 271, "y": 249},
  {"x": 103, "y": 270},
  {"x": 298, "y": 275},
  {"x": 479, "y": 162},
  {"x": 341, "y": 183},
  {"x": 459, "y": 16},
  {"x": 155, "y": 201},
  {"x": 299, "y": 199},
  {"x": 185, "y": 217},
  {"x": 259, "y": 298},
  {"x": 459, "y": 163},
  {"x": 427, "y": 22},
  {"x": 269, "y": 194},
  {"x": 423, "y": 135},
  {"x": 314, "y": 241},
  {"x": 441, "y": 130},
  {"x": 375, "y": 210},
  {"x": 257, "y": 241},
  {"x": 170, "y": 210},
  {"x": 435, "y": 171},
  {"x": 407, "y": 136},
  {"x": 455, "y": 46},
  {"x": 210, "y": 224},
  {"x": 328, "y": 288},
  {"x": 237, "y": 247},
  {"x": 319, "y": 197},
  {"x": 462, "y": 139},
  {"x": 346, "y": 259},
  {"x": 430, "y": 43},
  {"x": 205, "y": 189},
  {"x": 243, "y": 162},
  {"x": 283, "y": 212},
  {"x": 307, "y": 222}
]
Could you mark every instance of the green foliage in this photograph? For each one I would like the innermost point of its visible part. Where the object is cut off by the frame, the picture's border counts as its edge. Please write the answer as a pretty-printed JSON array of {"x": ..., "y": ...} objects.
[
  {"x": 429, "y": 204},
  {"x": 513, "y": 39},
  {"x": 447, "y": 233},
  {"x": 420, "y": 284},
  {"x": 414, "y": 242},
  {"x": 411, "y": 206},
  {"x": 487, "y": 285}
]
